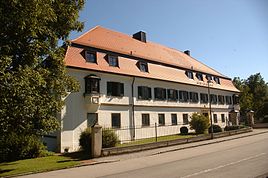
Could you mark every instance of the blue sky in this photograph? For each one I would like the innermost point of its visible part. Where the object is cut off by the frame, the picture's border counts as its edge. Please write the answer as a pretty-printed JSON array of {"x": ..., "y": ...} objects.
[{"x": 230, "y": 36}]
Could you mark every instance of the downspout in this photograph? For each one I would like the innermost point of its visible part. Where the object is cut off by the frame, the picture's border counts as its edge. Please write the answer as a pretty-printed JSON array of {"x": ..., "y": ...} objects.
[{"x": 133, "y": 107}]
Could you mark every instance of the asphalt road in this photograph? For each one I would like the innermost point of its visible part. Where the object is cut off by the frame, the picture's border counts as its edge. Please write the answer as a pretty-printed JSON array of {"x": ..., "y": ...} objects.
[{"x": 244, "y": 157}]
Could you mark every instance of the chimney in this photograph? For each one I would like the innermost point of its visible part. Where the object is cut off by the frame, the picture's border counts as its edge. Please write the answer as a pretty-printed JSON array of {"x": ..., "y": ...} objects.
[
  {"x": 187, "y": 52},
  {"x": 141, "y": 36}
]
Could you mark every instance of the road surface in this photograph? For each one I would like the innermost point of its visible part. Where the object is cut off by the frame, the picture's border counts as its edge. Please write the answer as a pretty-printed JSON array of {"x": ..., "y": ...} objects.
[{"x": 244, "y": 157}]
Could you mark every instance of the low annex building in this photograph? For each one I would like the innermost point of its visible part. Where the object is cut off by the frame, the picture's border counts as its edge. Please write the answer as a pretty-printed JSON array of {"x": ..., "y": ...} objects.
[{"x": 127, "y": 81}]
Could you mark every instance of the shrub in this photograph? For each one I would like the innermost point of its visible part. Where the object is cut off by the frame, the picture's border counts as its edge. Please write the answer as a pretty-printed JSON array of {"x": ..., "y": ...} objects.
[
  {"x": 232, "y": 127},
  {"x": 199, "y": 123},
  {"x": 109, "y": 138},
  {"x": 216, "y": 128},
  {"x": 184, "y": 130},
  {"x": 85, "y": 140},
  {"x": 18, "y": 146}
]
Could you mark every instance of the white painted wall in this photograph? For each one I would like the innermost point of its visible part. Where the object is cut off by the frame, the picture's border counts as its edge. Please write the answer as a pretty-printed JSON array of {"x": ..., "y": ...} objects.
[{"x": 74, "y": 114}]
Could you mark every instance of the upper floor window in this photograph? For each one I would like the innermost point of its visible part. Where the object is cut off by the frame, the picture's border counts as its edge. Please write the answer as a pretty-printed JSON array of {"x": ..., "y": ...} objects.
[
  {"x": 172, "y": 94},
  {"x": 215, "y": 118},
  {"x": 228, "y": 99},
  {"x": 144, "y": 93},
  {"x": 160, "y": 93},
  {"x": 203, "y": 98},
  {"x": 199, "y": 76},
  {"x": 113, "y": 60},
  {"x": 189, "y": 74},
  {"x": 184, "y": 96},
  {"x": 213, "y": 99},
  {"x": 91, "y": 56},
  {"x": 217, "y": 80},
  {"x": 208, "y": 77},
  {"x": 194, "y": 97},
  {"x": 235, "y": 99},
  {"x": 143, "y": 66},
  {"x": 222, "y": 118},
  {"x": 115, "y": 89},
  {"x": 221, "y": 99},
  {"x": 92, "y": 84}
]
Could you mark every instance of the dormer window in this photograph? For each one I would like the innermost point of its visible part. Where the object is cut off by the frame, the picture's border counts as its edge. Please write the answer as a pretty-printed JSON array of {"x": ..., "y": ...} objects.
[
  {"x": 113, "y": 60},
  {"x": 143, "y": 66},
  {"x": 199, "y": 76},
  {"x": 189, "y": 74},
  {"x": 217, "y": 80},
  {"x": 208, "y": 77},
  {"x": 91, "y": 56}
]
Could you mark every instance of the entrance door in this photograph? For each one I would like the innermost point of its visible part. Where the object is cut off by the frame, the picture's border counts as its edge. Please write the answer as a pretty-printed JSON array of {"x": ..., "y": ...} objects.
[{"x": 92, "y": 119}]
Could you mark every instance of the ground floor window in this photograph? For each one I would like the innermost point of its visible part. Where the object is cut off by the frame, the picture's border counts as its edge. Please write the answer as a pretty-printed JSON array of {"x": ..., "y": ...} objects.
[
  {"x": 215, "y": 118},
  {"x": 222, "y": 118},
  {"x": 174, "y": 119},
  {"x": 161, "y": 119},
  {"x": 145, "y": 120},
  {"x": 185, "y": 119},
  {"x": 116, "y": 120}
]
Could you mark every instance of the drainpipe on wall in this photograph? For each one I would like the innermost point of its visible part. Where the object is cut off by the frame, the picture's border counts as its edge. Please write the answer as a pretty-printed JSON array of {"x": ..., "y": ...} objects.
[{"x": 133, "y": 107}]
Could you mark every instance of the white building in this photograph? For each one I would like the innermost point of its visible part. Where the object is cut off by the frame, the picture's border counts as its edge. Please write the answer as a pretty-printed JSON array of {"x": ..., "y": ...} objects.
[{"x": 129, "y": 82}]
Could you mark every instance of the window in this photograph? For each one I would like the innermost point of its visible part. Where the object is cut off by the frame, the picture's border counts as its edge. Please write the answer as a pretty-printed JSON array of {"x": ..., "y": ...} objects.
[
  {"x": 145, "y": 120},
  {"x": 90, "y": 56},
  {"x": 113, "y": 60},
  {"x": 92, "y": 84},
  {"x": 116, "y": 120},
  {"x": 222, "y": 118},
  {"x": 217, "y": 80},
  {"x": 160, "y": 94},
  {"x": 92, "y": 119},
  {"x": 174, "y": 119},
  {"x": 161, "y": 119},
  {"x": 221, "y": 99},
  {"x": 208, "y": 77},
  {"x": 143, "y": 66},
  {"x": 194, "y": 97},
  {"x": 144, "y": 93},
  {"x": 215, "y": 118},
  {"x": 183, "y": 96},
  {"x": 213, "y": 99},
  {"x": 203, "y": 98},
  {"x": 228, "y": 99},
  {"x": 185, "y": 119},
  {"x": 172, "y": 94},
  {"x": 189, "y": 74},
  {"x": 236, "y": 99},
  {"x": 199, "y": 76},
  {"x": 115, "y": 89}
]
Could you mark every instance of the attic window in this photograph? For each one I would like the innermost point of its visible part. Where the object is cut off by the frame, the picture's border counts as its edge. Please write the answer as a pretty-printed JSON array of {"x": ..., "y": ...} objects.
[
  {"x": 113, "y": 60},
  {"x": 217, "y": 80},
  {"x": 199, "y": 76},
  {"x": 189, "y": 74},
  {"x": 209, "y": 77},
  {"x": 143, "y": 66},
  {"x": 90, "y": 56}
]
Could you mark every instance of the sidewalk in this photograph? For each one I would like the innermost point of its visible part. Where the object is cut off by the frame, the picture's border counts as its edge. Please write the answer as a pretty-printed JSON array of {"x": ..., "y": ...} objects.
[{"x": 116, "y": 158}]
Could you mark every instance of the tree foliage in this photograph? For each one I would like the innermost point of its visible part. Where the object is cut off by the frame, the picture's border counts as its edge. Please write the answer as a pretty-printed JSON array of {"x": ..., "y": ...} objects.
[
  {"x": 199, "y": 123},
  {"x": 254, "y": 93},
  {"x": 32, "y": 73}
]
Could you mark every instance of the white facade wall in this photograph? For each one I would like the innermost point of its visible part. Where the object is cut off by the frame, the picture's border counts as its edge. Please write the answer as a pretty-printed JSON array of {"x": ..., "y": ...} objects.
[{"x": 74, "y": 114}]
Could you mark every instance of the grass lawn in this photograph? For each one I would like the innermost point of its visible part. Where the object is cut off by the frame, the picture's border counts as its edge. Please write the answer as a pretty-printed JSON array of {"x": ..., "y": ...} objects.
[
  {"x": 151, "y": 140},
  {"x": 39, "y": 164}
]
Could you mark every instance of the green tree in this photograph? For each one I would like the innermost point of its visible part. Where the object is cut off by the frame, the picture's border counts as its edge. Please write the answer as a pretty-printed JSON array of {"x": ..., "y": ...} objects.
[
  {"x": 33, "y": 77},
  {"x": 199, "y": 123}
]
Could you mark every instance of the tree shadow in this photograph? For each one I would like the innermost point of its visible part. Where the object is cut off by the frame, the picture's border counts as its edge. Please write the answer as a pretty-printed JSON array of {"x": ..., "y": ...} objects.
[
  {"x": 5, "y": 170},
  {"x": 77, "y": 156}
]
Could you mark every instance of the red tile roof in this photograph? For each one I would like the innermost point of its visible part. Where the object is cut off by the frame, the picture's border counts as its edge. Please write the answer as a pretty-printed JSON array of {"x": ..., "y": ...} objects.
[{"x": 105, "y": 39}]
